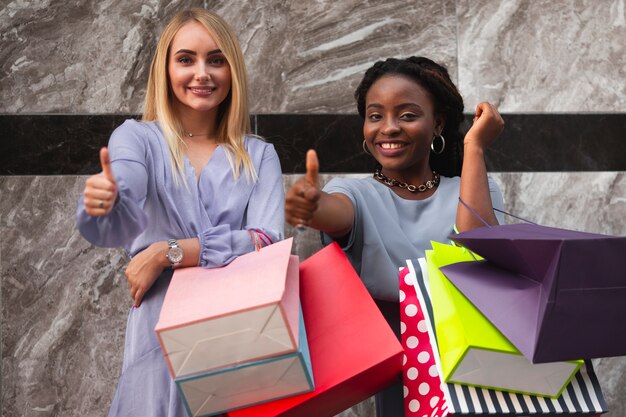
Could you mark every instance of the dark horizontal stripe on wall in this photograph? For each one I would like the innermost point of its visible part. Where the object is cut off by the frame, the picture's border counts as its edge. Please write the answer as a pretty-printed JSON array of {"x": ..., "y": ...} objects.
[
  {"x": 529, "y": 143},
  {"x": 52, "y": 144}
]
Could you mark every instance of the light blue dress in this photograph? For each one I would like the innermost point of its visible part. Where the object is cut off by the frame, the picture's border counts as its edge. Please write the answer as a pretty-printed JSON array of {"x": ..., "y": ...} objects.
[
  {"x": 387, "y": 231},
  {"x": 216, "y": 208}
]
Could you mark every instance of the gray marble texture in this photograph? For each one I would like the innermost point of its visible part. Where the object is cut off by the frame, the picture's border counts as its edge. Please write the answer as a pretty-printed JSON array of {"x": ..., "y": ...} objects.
[
  {"x": 539, "y": 56},
  {"x": 327, "y": 46},
  {"x": 64, "y": 302},
  {"x": 543, "y": 55},
  {"x": 92, "y": 56},
  {"x": 301, "y": 56}
]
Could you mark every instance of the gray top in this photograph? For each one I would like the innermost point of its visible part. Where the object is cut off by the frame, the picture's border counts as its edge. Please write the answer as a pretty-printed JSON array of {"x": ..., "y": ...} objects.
[
  {"x": 216, "y": 208},
  {"x": 389, "y": 229}
]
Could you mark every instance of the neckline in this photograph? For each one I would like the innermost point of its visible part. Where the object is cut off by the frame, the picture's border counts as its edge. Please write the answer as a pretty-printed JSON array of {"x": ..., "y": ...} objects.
[
  {"x": 186, "y": 162},
  {"x": 400, "y": 198},
  {"x": 191, "y": 168}
]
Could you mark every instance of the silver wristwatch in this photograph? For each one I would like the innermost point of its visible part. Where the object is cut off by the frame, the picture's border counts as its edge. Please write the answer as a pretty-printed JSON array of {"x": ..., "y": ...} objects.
[{"x": 175, "y": 253}]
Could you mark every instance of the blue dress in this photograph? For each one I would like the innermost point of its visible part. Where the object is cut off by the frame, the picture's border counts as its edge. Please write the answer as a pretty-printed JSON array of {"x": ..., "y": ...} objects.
[{"x": 216, "y": 208}]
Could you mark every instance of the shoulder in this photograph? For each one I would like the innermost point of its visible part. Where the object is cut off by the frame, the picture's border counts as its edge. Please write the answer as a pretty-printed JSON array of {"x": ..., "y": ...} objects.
[
  {"x": 450, "y": 184},
  {"x": 454, "y": 184},
  {"x": 261, "y": 152},
  {"x": 135, "y": 130},
  {"x": 493, "y": 185},
  {"x": 134, "y": 127},
  {"x": 264, "y": 157},
  {"x": 256, "y": 145},
  {"x": 447, "y": 194},
  {"x": 134, "y": 137},
  {"x": 352, "y": 186},
  {"x": 497, "y": 199}
]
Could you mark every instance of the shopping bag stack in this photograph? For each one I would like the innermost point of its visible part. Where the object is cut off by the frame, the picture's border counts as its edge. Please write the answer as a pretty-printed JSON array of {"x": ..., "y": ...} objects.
[
  {"x": 235, "y": 336},
  {"x": 480, "y": 371},
  {"x": 354, "y": 352},
  {"x": 473, "y": 351}
]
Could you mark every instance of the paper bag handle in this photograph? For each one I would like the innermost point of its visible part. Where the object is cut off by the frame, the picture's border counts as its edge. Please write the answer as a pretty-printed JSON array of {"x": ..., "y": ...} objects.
[{"x": 495, "y": 209}]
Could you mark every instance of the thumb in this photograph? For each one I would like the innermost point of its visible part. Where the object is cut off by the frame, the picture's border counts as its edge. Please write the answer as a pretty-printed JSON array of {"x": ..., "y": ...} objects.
[
  {"x": 105, "y": 161},
  {"x": 312, "y": 168}
]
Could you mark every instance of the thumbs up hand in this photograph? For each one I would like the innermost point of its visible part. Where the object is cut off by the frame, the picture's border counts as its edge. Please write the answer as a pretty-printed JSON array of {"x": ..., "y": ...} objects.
[
  {"x": 101, "y": 189},
  {"x": 301, "y": 199}
]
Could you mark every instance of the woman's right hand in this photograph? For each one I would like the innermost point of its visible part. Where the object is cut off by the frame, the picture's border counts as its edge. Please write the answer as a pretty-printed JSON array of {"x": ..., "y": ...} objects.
[
  {"x": 101, "y": 189},
  {"x": 144, "y": 269},
  {"x": 486, "y": 127},
  {"x": 302, "y": 198}
]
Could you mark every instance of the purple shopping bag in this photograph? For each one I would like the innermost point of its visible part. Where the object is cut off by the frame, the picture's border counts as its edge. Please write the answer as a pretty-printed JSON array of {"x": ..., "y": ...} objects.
[{"x": 556, "y": 294}]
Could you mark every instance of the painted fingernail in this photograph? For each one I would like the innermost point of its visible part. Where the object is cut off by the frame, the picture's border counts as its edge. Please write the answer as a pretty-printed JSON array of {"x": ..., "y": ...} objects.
[{"x": 136, "y": 305}]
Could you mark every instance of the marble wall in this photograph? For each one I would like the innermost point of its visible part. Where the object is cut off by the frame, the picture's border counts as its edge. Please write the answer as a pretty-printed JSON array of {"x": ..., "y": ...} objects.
[
  {"x": 538, "y": 56},
  {"x": 543, "y": 56},
  {"x": 63, "y": 302}
]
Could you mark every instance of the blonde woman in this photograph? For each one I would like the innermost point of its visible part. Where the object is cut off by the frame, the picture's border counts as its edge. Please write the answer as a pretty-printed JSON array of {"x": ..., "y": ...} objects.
[{"x": 181, "y": 188}]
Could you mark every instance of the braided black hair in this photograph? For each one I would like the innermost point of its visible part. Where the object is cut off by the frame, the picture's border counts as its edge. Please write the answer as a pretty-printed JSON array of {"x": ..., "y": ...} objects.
[{"x": 447, "y": 102}]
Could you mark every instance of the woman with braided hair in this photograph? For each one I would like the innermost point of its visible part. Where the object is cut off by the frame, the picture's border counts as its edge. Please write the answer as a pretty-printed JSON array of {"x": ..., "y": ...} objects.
[{"x": 412, "y": 112}]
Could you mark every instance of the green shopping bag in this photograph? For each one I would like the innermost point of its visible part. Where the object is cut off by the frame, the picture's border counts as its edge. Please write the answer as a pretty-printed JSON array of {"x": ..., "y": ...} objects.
[{"x": 473, "y": 351}]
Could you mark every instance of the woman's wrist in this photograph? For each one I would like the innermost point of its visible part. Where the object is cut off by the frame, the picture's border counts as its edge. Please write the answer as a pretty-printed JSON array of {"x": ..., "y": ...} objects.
[
  {"x": 472, "y": 147},
  {"x": 159, "y": 250}
]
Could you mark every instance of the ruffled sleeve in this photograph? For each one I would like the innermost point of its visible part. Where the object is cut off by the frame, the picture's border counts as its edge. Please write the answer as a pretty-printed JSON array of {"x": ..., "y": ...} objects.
[
  {"x": 127, "y": 219},
  {"x": 216, "y": 246}
]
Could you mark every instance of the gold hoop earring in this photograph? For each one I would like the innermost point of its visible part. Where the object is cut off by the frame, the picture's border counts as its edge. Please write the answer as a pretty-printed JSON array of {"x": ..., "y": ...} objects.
[
  {"x": 365, "y": 148},
  {"x": 443, "y": 144}
]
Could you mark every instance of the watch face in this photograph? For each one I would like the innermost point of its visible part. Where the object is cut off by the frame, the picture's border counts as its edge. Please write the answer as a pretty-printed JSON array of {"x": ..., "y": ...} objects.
[{"x": 175, "y": 255}]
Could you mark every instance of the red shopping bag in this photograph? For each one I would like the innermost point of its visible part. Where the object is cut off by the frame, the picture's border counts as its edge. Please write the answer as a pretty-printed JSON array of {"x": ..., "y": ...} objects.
[{"x": 354, "y": 352}]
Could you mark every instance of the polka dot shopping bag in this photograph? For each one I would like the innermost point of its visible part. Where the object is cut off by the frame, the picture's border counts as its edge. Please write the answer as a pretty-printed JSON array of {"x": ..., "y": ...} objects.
[{"x": 422, "y": 385}]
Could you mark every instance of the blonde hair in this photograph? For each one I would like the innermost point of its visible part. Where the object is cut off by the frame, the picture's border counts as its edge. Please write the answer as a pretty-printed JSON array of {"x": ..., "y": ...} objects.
[{"x": 233, "y": 118}]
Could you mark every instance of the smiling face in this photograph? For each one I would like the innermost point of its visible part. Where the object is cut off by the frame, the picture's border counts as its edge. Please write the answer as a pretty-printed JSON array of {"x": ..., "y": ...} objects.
[
  {"x": 399, "y": 127},
  {"x": 199, "y": 74}
]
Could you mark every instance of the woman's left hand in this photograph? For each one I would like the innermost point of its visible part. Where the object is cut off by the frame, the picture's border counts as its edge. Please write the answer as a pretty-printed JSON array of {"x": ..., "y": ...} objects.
[
  {"x": 487, "y": 126},
  {"x": 144, "y": 269}
]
